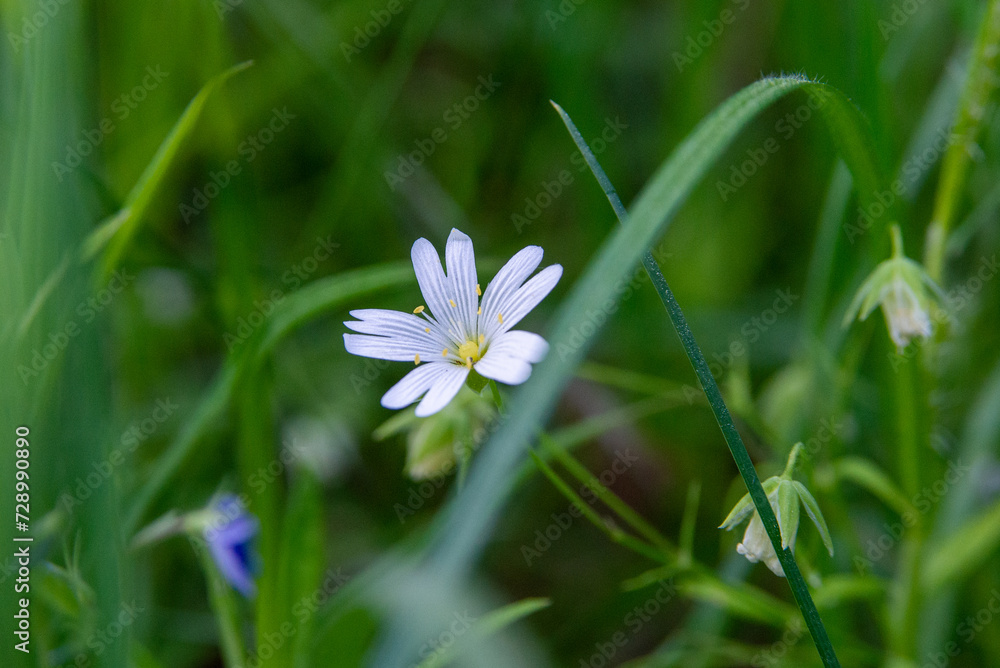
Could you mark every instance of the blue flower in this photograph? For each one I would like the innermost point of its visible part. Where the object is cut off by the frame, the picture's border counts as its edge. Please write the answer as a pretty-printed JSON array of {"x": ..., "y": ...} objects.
[{"x": 230, "y": 535}]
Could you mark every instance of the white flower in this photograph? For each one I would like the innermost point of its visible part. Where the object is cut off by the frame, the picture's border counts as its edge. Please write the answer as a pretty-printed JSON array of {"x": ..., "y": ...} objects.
[
  {"x": 756, "y": 545},
  {"x": 784, "y": 495},
  {"x": 457, "y": 333},
  {"x": 904, "y": 291},
  {"x": 905, "y": 315}
]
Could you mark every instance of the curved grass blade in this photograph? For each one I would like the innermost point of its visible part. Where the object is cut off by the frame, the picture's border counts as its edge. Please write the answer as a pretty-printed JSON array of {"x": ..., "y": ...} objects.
[
  {"x": 116, "y": 232},
  {"x": 467, "y": 522},
  {"x": 966, "y": 549},
  {"x": 489, "y": 625},
  {"x": 779, "y": 535},
  {"x": 300, "y": 307}
]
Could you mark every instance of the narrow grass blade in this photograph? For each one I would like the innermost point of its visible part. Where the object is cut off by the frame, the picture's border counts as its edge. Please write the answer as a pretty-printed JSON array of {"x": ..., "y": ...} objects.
[
  {"x": 308, "y": 303},
  {"x": 969, "y": 547},
  {"x": 980, "y": 87},
  {"x": 467, "y": 522},
  {"x": 116, "y": 233},
  {"x": 607, "y": 497},
  {"x": 715, "y": 400},
  {"x": 489, "y": 625},
  {"x": 614, "y": 534}
]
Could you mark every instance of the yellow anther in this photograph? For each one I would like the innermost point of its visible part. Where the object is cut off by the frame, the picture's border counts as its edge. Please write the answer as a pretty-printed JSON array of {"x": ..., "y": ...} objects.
[
  {"x": 427, "y": 329},
  {"x": 500, "y": 317},
  {"x": 418, "y": 310},
  {"x": 444, "y": 353},
  {"x": 416, "y": 359},
  {"x": 478, "y": 291},
  {"x": 482, "y": 337},
  {"x": 469, "y": 351},
  {"x": 479, "y": 311},
  {"x": 468, "y": 362},
  {"x": 452, "y": 302}
]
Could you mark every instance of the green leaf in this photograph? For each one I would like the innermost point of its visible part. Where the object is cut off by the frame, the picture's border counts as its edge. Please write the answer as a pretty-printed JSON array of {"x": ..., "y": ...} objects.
[
  {"x": 788, "y": 512},
  {"x": 116, "y": 233},
  {"x": 308, "y": 303},
  {"x": 815, "y": 514},
  {"x": 609, "y": 498},
  {"x": 869, "y": 476},
  {"x": 969, "y": 547},
  {"x": 226, "y": 607},
  {"x": 741, "y": 600},
  {"x": 303, "y": 554},
  {"x": 837, "y": 590},
  {"x": 613, "y": 533},
  {"x": 980, "y": 88},
  {"x": 744, "y": 507},
  {"x": 489, "y": 625},
  {"x": 329, "y": 293},
  {"x": 470, "y": 517}
]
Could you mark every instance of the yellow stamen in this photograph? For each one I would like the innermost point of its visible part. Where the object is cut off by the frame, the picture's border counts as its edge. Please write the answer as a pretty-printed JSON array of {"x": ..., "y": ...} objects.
[
  {"x": 416, "y": 359},
  {"x": 479, "y": 311},
  {"x": 500, "y": 317},
  {"x": 452, "y": 302},
  {"x": 469, "y": 351},
  {"x": 478, "y": 291},
  {"x": 468, "y": 362},
  {"x": 418, "y": 310},
  {"x": 444, "y": 353},
  {"x": 427, "y": 329},
  {"x": 482, "y": 337}
]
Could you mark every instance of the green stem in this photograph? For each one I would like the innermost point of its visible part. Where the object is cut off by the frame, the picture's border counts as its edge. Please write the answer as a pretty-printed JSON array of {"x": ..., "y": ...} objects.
[
  {"x": 225, "y": 606},
  {"x": 906, "y": 599},
  {"x": 980, "y": 85},
  {"x": 736, "y": 447},
  {"x": 615, "y": 535},
  {"x": 609, "y": 498},
  {"x": 793, "y": 457},
  {"x": 496, "y": 395}
]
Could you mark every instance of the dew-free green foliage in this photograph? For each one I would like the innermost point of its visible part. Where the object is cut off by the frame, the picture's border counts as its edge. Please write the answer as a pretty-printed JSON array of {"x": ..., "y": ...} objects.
[{"x": 184, "y": 232}]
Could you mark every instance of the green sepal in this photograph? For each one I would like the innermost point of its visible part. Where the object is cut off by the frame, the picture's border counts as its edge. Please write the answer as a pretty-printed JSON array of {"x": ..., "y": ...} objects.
[
  {"x": 788, "y": 512},
  {"x": 744, "y": 507},
  {"x": 815, "y": 514}
]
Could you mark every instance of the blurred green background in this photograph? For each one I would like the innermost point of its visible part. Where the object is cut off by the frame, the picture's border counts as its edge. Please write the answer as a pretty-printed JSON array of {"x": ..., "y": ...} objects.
[{"x": 304, "y": 166}]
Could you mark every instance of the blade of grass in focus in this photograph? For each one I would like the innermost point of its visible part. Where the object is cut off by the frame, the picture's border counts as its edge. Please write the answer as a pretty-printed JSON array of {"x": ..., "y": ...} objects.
[
  {"x": 721, "y": 412},
  {"x": 467, "y": 522}
]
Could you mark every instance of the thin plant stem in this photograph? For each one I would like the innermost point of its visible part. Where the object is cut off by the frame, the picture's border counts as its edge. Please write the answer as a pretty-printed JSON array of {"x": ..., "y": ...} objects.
[
  {"x": 614, "y": 534},
  {"x": 980, "y": 86},
  {"x": 906, "y": 599},
  {"x": 609, "y": 498},
  {"x": 497, "y": 398},
  {"x": 736, "y": 447}
]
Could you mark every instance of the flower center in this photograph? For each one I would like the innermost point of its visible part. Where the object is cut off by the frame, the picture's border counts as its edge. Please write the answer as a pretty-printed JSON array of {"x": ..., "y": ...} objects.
[{"x": 469, "y": 351}]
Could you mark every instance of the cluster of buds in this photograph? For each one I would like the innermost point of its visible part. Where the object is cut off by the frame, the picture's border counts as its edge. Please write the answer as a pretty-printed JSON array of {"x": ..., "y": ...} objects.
[{"x": 434, "y": 444}]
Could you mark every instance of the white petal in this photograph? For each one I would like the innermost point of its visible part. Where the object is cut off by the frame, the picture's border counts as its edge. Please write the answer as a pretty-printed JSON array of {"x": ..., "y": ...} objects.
[
  {"x": 461, "y": 261},
  {"x": 434, "y": 286},
  {"x": 397, "y": 325},
  {"x": 507, "y": 281},
  {"x": 392, "y": 349},
  {"x": 514, "y": 307},
  {"x": 503, "y": 368},
  {"x": 526, "y": 346},
  {"x": 444, "y": 389},
  {"x": 414, "y": 384}
]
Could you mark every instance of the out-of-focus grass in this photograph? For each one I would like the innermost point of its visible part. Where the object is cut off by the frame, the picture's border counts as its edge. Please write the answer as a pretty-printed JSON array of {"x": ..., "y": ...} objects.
[{"x": 319, "y": 182}]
